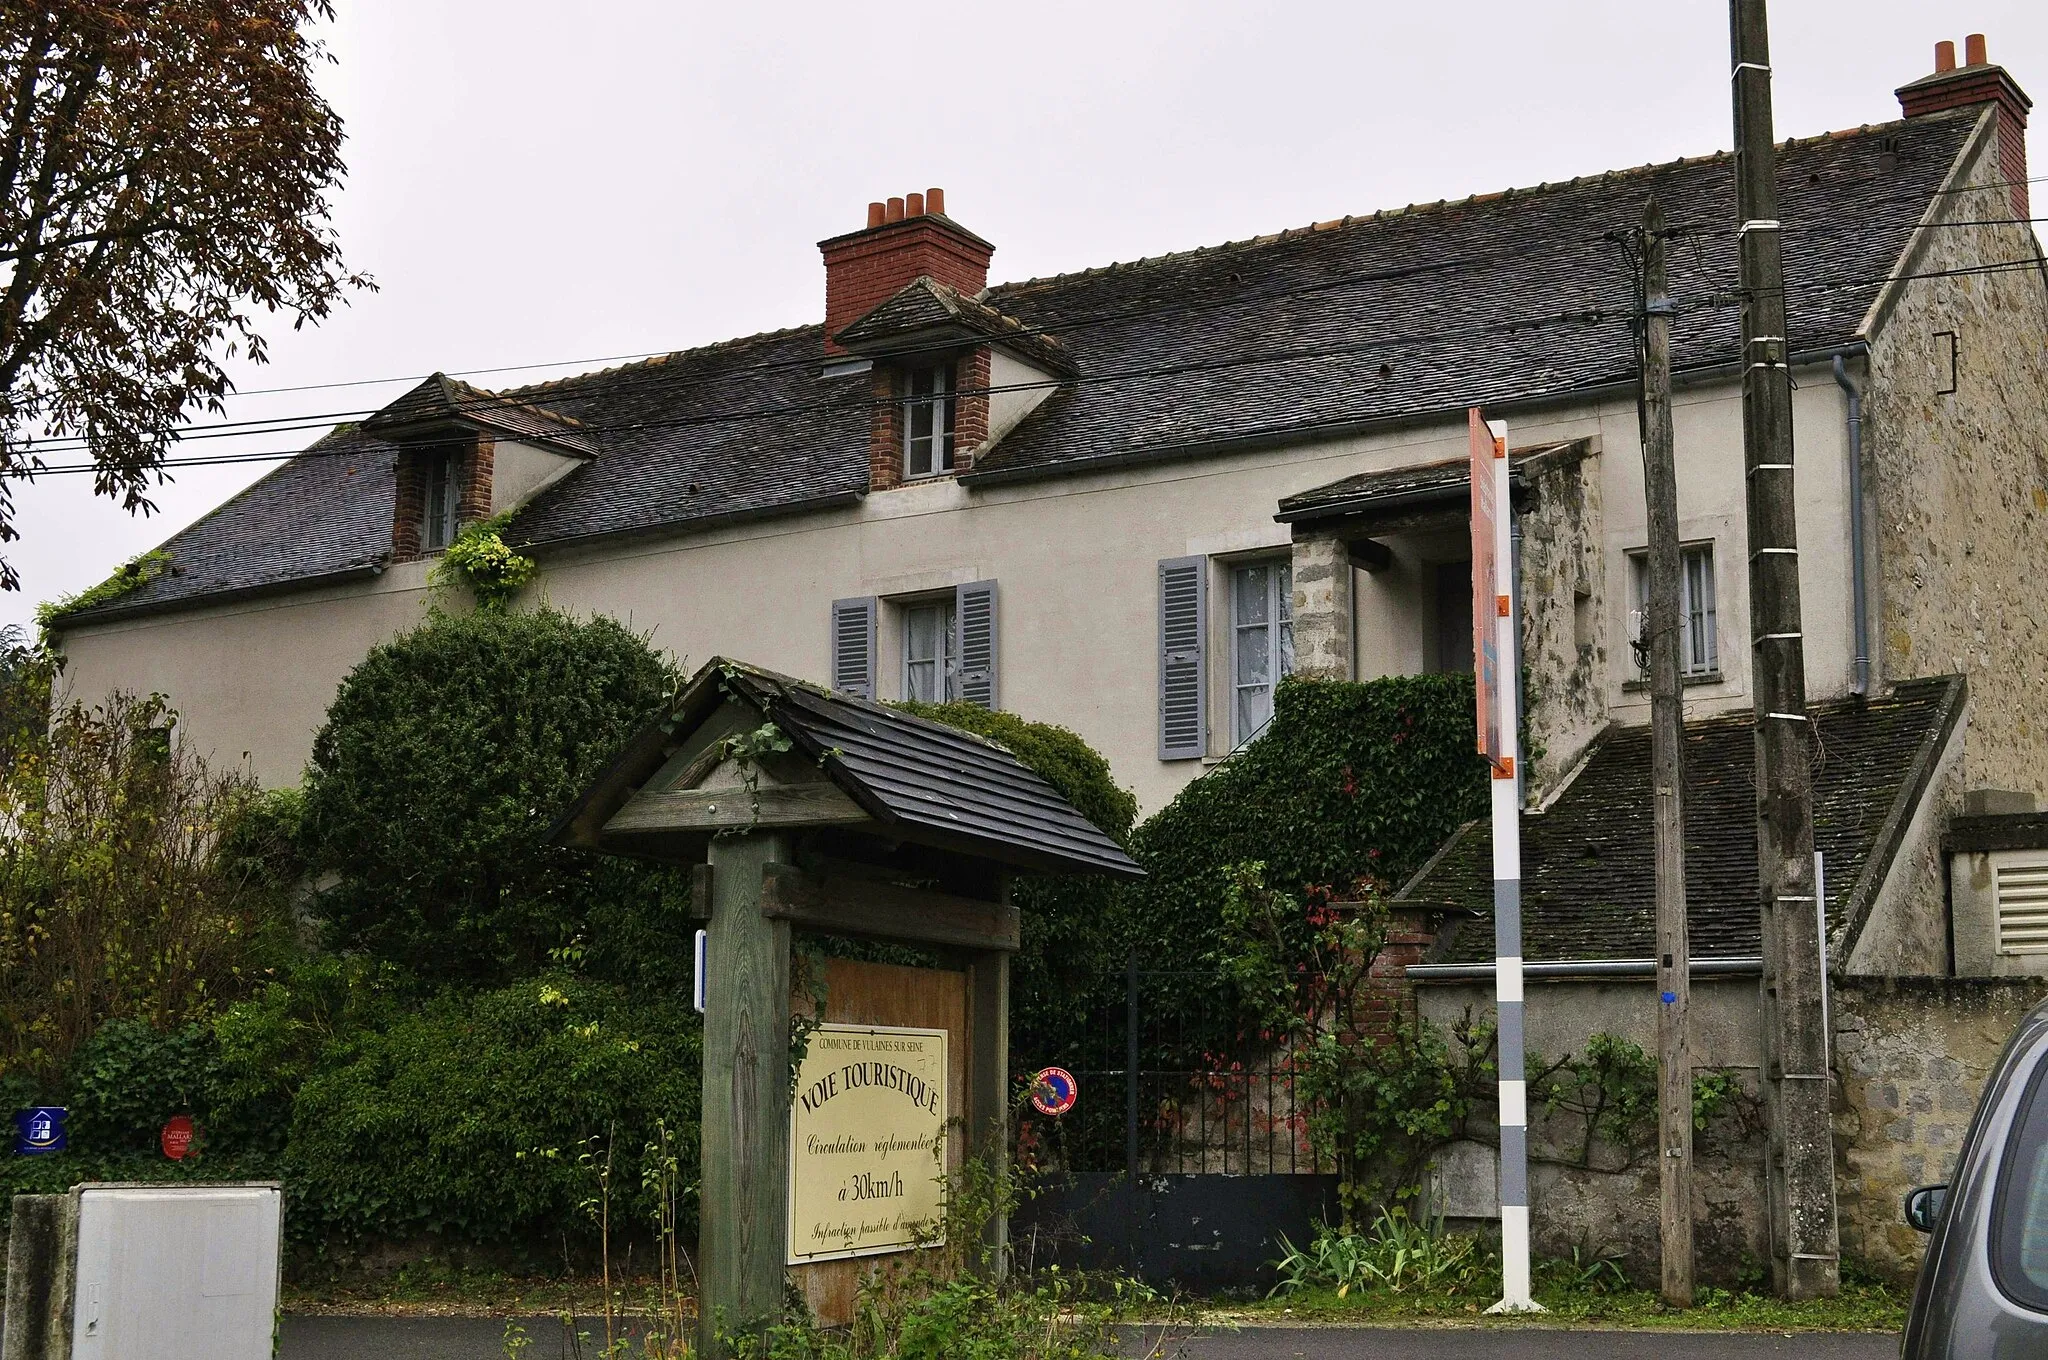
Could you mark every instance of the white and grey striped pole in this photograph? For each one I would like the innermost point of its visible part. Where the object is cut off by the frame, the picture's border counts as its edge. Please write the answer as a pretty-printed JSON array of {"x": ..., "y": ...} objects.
[{"x": 1502, "y": 670}]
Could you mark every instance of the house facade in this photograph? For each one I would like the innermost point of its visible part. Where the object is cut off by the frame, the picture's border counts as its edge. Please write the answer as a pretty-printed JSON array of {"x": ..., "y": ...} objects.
[{"x": 1128, "y": 500}]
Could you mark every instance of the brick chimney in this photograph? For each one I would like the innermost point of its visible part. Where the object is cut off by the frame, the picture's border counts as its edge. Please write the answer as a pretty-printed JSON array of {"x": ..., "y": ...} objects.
[
  {"x": 904, "y": 238},
  {"x": 1977, "y": 81}
]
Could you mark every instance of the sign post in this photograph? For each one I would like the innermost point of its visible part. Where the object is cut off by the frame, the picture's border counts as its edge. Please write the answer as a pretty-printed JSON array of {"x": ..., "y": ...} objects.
[{"x": 1495, "y": 665}]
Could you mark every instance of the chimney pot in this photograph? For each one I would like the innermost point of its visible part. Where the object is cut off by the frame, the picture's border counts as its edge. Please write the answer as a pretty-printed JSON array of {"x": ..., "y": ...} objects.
[
  {"x": 895, "y": 210},
  {"x": 1973, "y": 50},
  {"x": 913, "y": 205},
  {"x": 1944, "y": 57},
  {"x": 877, "y": 214},
  {"x": 935, "y": 201}
]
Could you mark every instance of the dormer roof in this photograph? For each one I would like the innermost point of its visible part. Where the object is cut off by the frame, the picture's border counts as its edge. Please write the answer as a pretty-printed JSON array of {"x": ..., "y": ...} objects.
[
  {"x": 927, "y": 315},
  {"x": 441, "y": 401}
]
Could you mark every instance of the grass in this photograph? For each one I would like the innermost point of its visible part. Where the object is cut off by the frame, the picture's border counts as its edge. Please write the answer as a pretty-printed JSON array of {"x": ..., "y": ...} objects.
[{"x": 1860, "y": 1307}]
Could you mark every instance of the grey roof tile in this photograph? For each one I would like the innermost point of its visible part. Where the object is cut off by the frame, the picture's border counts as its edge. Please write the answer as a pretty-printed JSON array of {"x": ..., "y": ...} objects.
[
  {"x": 1588, "y": 871},
  {"x": 1384, "y": 317}
]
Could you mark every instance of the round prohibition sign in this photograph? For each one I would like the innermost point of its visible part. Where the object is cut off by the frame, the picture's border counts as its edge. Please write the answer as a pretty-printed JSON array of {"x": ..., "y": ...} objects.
[{"x": 1054, "y": 1091}]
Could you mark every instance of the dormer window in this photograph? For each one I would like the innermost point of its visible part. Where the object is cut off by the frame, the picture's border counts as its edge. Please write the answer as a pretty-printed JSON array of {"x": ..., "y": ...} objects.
[
  {"x": 928, "y": 421},
  {"x": 437, "y": 519}
]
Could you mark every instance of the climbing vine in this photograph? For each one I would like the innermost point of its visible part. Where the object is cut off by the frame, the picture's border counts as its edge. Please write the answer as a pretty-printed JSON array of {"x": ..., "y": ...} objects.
[
  {"x": 480, "y": 559},
  {"x": 130, "y": 576}
]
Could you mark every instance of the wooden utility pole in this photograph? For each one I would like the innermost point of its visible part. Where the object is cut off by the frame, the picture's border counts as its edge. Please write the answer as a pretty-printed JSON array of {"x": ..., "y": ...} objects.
[
  {"x": 1800, "y": 1163},
  {"x": 1667, "y": 773}
]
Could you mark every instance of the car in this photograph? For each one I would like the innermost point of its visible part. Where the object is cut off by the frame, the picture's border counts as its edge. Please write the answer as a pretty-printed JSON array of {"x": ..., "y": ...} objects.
[{"x": 1983, "y": 1290}]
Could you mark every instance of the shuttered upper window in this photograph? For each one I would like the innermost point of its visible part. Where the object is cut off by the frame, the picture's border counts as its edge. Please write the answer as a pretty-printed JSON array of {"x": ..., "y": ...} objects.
[
  {"x": 437, "y": 519},
  {"x": 2020, "y": 888},
  {"x": 1262, "y": 642},
  {"x": 928, "y": 421}
]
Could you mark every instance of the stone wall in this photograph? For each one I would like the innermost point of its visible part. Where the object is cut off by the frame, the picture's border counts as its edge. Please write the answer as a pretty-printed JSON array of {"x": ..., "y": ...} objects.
[
  {"x": 1323, "y": 606},
  {"x": 1564, "y": 647},
  {"x": 1911, "y": 1057},
  {"x": 1956, "y": 482}
]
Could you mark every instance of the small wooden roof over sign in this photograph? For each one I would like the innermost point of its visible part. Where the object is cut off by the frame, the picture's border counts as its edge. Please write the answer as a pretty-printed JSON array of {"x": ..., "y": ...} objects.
[{"x": 746, "y": 749}]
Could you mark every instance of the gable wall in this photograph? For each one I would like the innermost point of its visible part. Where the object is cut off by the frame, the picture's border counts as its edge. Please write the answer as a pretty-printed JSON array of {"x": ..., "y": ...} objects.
[{"x": 1958, "y": 483}]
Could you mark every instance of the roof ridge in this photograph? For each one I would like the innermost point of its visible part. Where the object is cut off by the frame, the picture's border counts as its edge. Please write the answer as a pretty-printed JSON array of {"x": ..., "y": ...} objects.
[
  {"x": 1441, "y": 205},
  {"x": 654, "y": 360}
]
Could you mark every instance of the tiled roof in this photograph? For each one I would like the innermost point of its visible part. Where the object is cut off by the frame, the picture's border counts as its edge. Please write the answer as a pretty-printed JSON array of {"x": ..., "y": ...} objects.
[
  {"x": 1392, "y": 316},
  {"x": 925, "y": 308},
  {"x": 441, "y": 399},
  {"x": 1393, "y": 488},
  {"x": 1588, "y": 872}
]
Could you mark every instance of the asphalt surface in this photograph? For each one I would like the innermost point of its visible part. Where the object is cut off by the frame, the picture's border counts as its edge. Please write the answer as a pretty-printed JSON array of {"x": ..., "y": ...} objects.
[{"x": 364, "y": 1338}]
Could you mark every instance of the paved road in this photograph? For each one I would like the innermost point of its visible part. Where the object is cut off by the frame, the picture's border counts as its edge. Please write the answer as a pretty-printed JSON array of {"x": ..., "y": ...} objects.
[{"x": 351, "y": 1338}]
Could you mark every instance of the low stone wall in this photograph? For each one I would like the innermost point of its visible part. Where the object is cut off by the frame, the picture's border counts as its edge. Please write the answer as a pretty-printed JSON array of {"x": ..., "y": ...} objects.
[{"x": 1911, "y": 1058}]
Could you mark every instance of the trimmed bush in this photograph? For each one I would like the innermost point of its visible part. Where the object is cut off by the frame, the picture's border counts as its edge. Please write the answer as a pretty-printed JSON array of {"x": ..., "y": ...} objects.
[
  {"x": 444, "y": 758},
  {"x": 486, "y": 1117}
]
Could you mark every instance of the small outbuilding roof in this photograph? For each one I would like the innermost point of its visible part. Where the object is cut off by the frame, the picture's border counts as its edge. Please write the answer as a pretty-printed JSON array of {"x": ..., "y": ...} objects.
[
  {"x": 1588, "y": 862},
  {"x": 912, "y": 779}
]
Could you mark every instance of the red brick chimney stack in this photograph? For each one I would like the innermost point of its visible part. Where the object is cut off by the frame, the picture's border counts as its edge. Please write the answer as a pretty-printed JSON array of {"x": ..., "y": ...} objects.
[
  {"x": 903, "y": 238},
  {"x": 1977, "y": 81}
]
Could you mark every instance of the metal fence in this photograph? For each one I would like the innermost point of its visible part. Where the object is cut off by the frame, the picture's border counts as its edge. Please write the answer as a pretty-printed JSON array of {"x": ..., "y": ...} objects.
[{"x": 1173, "y": 1082}]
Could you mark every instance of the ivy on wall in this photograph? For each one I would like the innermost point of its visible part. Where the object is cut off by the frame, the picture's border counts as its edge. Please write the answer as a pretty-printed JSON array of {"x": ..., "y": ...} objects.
[{"x": 1350, "y": 781}]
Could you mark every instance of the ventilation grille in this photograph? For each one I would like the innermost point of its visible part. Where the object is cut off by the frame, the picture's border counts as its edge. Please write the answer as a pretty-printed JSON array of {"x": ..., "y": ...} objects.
[{"x": 2022, "y": 908}]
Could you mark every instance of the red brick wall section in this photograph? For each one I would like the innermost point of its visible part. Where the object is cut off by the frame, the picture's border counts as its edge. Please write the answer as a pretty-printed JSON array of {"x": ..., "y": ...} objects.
[
  {"x": 970, "y": 408},
  {"x": 885, "y": 437},
  {"x": 474, "y": 478},
  {"x": 1389, "y": 995},
  {"x": 1983, "y": 85},
  {"x": 866, "y": 268},
  {"x": 411, "y": 505}
]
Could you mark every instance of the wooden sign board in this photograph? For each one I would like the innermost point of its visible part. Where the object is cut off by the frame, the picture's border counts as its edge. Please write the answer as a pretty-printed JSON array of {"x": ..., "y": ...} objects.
[{"x": 867, "y": 1143}]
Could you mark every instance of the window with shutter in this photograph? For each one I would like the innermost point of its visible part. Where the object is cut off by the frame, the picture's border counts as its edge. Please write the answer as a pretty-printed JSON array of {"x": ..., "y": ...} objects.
[
  {"x": 853, "y": 646},
  {"x": 2021, "y": 889},
  {"x": 974, "y": 609},
  {"x": 1183, "y": 625}
]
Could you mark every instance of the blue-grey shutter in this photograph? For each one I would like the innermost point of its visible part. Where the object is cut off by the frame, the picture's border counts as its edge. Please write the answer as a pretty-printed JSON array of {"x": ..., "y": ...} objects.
[
  {"x": 853, "y": 646},
  {"x": 1183, "y": 630},
  {"x": 974, "y": 614}
]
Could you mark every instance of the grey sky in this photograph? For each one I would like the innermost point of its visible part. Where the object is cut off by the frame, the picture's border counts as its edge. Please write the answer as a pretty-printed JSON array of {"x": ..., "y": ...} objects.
[{"x": 532, "y": 181}]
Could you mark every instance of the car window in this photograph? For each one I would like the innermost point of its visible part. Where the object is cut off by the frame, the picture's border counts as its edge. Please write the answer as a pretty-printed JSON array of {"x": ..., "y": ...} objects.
[{"x": 2019, "y": 1216}]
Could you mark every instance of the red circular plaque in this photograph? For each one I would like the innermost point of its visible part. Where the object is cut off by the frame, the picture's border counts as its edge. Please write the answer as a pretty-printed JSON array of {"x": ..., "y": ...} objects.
[
  {"x": 1054, "y": 1091},
  {"x": 179, "y": 1132}
]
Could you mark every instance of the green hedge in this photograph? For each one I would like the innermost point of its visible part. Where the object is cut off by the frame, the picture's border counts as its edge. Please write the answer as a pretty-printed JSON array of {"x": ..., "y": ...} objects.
[
  {"x": 1064, "y": 950},
  {"x": 485, "y": 1117}
]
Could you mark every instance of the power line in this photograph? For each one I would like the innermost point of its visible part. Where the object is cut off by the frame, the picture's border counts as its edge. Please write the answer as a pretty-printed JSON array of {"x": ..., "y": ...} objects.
[{"x": 1591, "y": 316}]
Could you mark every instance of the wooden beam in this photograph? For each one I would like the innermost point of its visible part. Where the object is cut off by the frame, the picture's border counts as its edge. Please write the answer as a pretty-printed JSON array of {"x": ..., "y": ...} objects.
[
  {"x": 988, "y": 1082},
  {"x": 735, "y": 809},
  {"x": 744, "y": 1191},
  {"x": 840, "y": 905},
  {"x": 1368, "y": 554}
]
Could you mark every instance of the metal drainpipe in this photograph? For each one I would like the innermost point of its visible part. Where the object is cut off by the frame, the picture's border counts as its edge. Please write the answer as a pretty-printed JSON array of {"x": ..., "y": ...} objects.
[{"x": 1859, "y": 608}]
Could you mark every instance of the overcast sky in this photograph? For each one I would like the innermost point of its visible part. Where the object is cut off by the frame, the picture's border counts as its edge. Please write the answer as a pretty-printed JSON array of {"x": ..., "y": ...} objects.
[{"x": 532, "y": 182}]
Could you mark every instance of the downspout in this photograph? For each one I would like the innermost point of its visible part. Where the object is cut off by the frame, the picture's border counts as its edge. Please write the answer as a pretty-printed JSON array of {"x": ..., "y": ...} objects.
[{"x": 1859, "y": 599}]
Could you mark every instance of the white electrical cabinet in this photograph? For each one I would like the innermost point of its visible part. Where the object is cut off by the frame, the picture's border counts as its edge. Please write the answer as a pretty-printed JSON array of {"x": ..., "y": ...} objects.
[{"x": 176, "y": 1272}]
